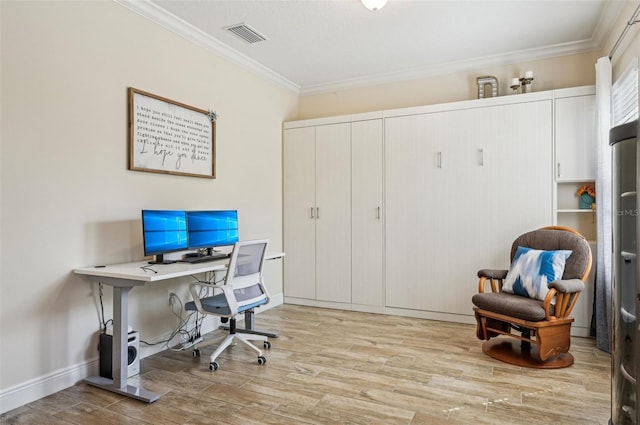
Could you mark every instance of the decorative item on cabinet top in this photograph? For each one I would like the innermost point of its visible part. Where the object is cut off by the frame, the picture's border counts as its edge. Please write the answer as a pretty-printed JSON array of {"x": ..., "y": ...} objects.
[
  {"x": 586, "y": 196},
  {"x": 527, "y": 82},
  {"x": 522, "y": 84},
  {"x": 483, "y": 82}
]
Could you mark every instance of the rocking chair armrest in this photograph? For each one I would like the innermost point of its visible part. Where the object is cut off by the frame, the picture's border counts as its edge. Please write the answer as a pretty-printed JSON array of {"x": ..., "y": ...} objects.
[
  {"x": 567, "y": 286},
  {"x": 561, "y": 298},
  {"x": 492, "y": 273},
  {"x": 494, "y": 277}
]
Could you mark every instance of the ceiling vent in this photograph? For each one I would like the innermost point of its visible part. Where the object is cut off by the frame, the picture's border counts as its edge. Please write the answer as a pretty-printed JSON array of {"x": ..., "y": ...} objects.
[{"x": 246, "y": 33}]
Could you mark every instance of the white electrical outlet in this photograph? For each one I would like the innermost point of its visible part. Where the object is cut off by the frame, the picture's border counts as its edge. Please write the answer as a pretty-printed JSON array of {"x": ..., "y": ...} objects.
[{"x": 172, "y": 293}]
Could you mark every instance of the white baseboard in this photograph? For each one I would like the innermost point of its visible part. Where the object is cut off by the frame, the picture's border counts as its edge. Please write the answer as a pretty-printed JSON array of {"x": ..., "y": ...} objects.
[
  {"x": 35, "y": 389},
  {"x": 45, "y": 385},
  {"x": 469, "y": 319},
  {"x": 422, "y": 314}
]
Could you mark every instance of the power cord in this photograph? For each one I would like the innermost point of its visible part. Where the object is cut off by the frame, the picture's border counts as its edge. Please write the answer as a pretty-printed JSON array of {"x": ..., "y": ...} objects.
[
  {"x": 104, "y": 324},
  {"x": 190, "y": 334},
  {"x": 100, "y": 295}
]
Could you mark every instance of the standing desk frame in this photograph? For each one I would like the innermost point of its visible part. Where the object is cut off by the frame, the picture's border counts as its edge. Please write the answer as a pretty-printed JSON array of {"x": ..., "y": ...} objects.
[{"x": 124, "y": 277}]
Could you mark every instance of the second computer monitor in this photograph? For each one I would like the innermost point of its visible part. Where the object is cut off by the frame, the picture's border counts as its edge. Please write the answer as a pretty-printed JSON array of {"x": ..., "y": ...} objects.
[{"x": 209, "y": 229}]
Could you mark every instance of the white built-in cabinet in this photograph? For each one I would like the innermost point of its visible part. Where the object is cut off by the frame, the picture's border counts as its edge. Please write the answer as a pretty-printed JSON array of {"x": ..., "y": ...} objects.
[
  {"x": 317, "y": 218},
  {"x": 575, "y": 142},
  {"x": 576, "y": 162},
  {"x": 396, "y": 211},
  {"x": 575, "y": 134},
  {"x": 333, "y": 212},
  {"x": 460, "y": 186}
]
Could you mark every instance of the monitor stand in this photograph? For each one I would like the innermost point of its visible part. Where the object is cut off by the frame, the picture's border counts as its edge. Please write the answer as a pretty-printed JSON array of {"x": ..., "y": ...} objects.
[
  {"x": 215, "y": 254},
  {"x": 160, "y": 260}
]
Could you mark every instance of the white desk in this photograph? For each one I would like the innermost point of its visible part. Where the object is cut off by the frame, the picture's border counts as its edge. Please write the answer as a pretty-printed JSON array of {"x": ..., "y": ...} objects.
[{"x": 123, "y": 278}]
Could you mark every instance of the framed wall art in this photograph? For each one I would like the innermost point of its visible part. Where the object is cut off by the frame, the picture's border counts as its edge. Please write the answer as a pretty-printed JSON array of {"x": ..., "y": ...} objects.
[{"x": 170, "y": 137}]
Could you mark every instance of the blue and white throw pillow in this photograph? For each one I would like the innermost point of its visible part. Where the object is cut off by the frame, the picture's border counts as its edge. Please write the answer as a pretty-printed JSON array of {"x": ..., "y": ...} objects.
[{"x": 532, "y": 270}]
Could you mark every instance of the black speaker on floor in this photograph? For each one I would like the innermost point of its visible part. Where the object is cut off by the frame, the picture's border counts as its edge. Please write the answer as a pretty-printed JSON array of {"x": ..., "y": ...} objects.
[{"x": 133, "y": 354}]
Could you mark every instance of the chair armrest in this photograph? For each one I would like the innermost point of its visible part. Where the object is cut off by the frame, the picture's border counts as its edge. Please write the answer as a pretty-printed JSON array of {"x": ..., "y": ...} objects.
[
  {"x": 561, "y": 298},
  {"x": 493, "y": 276},
  {"x": 195, "y": 294},
  {"x": 227, "y": 290},
  {"x": 492, "y": 273},
  {"x": 567, "y": 286}
]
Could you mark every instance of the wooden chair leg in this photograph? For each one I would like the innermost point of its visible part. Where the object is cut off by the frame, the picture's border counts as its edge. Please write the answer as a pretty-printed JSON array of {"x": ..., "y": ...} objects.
[
  {"x": 481, "y": 328},
  {"x": 525, "y": 345}
]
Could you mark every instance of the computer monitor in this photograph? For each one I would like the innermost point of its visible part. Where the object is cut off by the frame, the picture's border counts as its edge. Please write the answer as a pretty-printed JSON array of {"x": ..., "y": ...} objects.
[
  {"x": 209, "y": 229},
  {"x": 164, "y": 231}
]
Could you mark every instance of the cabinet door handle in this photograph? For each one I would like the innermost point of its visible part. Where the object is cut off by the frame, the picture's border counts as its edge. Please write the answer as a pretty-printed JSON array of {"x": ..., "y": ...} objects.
[
  {"x": 312, "y": 213},
  {"x": 378, "y": 213},
  {"x": 482, "y": 157},
  {"x": 317, "y": 213},
  {"x": 558, "y": 170},
  {"x": 439, "y": 159}
]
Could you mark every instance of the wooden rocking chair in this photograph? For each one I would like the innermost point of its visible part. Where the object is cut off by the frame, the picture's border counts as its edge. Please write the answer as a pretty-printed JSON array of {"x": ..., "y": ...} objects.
[{"x": 538, "y": 330}]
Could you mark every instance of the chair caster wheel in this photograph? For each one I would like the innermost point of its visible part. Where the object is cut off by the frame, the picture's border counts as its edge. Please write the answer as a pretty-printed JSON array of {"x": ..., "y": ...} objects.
[
  {"x": 213, "y": 366},
  {"x": 267, "y": 345},
  {"x": 262, "y": 360},
  {"x": 196, "y": 353}
]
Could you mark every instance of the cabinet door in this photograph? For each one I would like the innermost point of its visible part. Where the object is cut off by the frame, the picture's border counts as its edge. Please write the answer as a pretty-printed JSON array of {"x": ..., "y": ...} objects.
[
  {"x": 414, "y": 188},
  {"x": 518, "y": 196},
  {"x": 432, "y": 168},
  {"x": 460, "y": 186},
  {"x": 366, "y": 221},
  {"x": 333, "y": 212},
  {"x": 575, "y": 131},
  {"x": 299, "y": 210}
]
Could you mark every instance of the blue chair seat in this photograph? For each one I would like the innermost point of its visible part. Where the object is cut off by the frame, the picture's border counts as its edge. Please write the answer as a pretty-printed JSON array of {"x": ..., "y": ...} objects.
[{"x": 218, "y": 305}]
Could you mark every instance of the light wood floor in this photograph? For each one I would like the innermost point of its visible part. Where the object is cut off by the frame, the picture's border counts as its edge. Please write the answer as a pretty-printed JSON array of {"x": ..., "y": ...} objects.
[{"x": 337, "y": 367}]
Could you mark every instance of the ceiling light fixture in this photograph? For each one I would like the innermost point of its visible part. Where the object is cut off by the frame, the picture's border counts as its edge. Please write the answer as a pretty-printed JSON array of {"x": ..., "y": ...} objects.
[{"x": 374, "y": 4}]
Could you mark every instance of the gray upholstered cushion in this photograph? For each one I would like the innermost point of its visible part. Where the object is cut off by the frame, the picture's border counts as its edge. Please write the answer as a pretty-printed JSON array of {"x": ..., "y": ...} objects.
[
  {"x": 551, "y": 240},
  {"x": 492, "y": 273},
  {"x": 510, "y": 305},
  {"x": 567, "y": 286}
]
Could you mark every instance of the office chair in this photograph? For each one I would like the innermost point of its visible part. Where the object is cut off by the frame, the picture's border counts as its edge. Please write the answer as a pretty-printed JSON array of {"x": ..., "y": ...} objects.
[
  {"x": 243, "y": 289},
  {"x": 534, "y": 298}
]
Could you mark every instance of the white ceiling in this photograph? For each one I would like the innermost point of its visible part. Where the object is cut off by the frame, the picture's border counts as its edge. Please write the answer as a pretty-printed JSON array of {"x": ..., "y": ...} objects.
[{"x": 316, "y": 46}]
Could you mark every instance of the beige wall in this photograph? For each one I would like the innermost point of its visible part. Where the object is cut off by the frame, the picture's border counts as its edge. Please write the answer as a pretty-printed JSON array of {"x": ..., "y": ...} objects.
[
  {"x": 67, "y": 198},
  {"x": 549, "y": 74}
]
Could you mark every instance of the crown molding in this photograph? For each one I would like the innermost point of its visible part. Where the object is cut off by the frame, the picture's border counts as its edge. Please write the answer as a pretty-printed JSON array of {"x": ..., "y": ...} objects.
[
  {"x": 455, "y": 67},
  {"x": 173, "y": 23}
]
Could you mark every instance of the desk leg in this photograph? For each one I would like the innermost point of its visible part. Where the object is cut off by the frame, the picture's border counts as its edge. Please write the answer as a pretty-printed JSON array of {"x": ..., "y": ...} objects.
[
  {"x": 120, "y": 353},
  {"x": 250, "y": 326}
]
